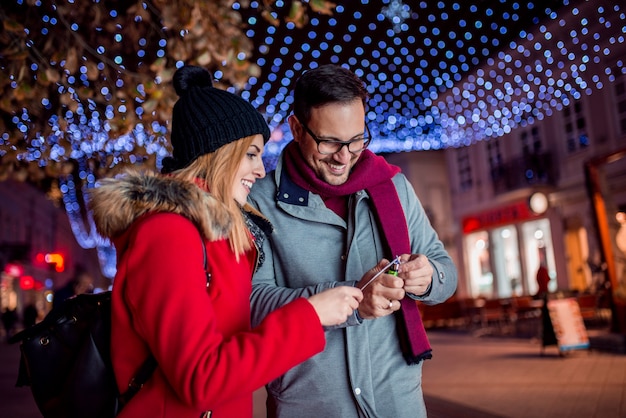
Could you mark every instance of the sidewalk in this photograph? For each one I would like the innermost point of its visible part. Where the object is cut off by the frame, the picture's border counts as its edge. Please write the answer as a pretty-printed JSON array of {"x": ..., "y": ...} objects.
[
  {"x": 16, "y": 402},
  {"x": 504, "y": 377},
  {"x": 468, "y": 377}
]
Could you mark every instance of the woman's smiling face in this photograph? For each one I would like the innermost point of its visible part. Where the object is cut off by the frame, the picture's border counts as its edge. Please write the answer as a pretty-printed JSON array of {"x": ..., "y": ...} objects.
[{"x": 250, "y": 169}]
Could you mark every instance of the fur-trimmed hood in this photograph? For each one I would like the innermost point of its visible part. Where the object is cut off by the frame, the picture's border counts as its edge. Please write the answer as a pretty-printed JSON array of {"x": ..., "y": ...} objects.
[{"x": 117, "y": 202}]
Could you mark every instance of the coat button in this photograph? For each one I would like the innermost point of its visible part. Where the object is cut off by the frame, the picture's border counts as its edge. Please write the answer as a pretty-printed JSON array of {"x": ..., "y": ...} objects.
[
  {"x": 357, "y": 391},
  {"x": 286, "y": 195}
]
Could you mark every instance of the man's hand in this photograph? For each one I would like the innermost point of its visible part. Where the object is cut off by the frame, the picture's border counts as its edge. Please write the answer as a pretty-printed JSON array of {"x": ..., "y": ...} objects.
[
  {"x": 382, "y": 296},
  {"x": 417, "y": 273}
]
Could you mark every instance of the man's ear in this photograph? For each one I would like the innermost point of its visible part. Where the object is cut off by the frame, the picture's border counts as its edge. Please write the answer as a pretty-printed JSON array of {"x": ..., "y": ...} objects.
[{"x": 295, "y": 127}]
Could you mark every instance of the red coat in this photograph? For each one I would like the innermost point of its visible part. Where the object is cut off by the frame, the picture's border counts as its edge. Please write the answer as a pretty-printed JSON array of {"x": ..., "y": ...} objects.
[{"x": 208, "y": 356}]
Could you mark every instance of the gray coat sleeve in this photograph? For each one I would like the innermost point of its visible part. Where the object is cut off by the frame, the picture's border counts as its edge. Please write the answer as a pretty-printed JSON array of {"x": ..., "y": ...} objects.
[{"x": 424, "y": 240}]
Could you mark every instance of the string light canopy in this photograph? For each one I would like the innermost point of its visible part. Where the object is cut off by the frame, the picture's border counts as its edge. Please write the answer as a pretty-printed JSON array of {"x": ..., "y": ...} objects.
[
  {"x": 440, "y": 74},
  {"x": 446, "y": 74}
]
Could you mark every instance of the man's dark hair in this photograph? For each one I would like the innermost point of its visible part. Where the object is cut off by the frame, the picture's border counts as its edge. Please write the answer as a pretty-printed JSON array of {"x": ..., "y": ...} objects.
[{"x": 323, "y": 85}]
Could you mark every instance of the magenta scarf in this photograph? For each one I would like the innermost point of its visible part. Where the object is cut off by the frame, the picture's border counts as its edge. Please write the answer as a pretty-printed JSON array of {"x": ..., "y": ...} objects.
[{"x": 373, "y": 174}]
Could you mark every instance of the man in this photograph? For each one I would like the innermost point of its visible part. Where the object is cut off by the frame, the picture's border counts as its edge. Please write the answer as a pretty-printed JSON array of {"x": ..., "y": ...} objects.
[{"x": 338, "y": 210}]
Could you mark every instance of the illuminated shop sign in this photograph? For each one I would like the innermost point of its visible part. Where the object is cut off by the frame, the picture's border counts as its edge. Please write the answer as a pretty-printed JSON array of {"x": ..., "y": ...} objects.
[{"x": 516, "y": 212}]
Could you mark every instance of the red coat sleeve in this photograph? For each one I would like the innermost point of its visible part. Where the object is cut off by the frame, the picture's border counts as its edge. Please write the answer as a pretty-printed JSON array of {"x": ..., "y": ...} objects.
[{"x": 171, "y": 310}]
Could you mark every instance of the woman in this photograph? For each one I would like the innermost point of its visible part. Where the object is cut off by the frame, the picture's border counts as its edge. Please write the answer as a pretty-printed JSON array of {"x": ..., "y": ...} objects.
[{"x": 209, "y": 358}]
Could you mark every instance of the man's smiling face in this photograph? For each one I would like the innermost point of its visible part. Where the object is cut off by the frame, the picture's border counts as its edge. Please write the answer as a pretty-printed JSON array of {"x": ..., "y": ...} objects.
[{"x": 335, "y": 121}]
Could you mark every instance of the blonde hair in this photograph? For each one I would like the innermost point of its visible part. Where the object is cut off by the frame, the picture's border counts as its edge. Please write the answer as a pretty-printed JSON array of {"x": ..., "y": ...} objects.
[{"x": 218, "y": 169}]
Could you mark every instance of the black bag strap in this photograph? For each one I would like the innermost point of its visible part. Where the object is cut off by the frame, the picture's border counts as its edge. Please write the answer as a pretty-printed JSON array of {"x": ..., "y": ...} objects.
[
  {"x": 136, "y": 382},
  {"x": 150, "y": 364}
]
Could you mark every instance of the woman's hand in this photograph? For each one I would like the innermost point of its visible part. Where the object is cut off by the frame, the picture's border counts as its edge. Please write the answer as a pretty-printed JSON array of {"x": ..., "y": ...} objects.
[{"x": 334, "y": 306}]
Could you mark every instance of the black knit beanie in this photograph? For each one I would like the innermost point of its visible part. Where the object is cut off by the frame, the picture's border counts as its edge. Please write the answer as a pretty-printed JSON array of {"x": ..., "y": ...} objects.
[{"x": 205, "y": 118}]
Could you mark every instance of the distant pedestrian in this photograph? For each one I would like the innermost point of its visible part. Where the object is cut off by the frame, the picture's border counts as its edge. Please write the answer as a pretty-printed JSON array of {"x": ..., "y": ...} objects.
[
  {"x": 543, "y": 279},
  {"x": 29, "y": 316},
  {"x": 82, "y": 282},
  {"x": 9, "y": 320}
]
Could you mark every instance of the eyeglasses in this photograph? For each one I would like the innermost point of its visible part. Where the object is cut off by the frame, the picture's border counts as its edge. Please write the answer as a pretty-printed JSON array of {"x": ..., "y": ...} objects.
[{"x": 331, "y": 146}]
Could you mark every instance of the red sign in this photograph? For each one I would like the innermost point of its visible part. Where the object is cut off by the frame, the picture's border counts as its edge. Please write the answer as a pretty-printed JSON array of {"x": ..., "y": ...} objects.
[
  {"x": 27, "y": 282},
  {"x": 515, "y": 212},
  {"x": 14, "y": 270},
  {"x": 57, "y": 260}
]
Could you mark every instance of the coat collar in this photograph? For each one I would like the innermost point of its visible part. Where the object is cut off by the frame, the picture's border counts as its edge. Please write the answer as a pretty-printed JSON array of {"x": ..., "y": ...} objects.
[{"x": 118, "y": 202}]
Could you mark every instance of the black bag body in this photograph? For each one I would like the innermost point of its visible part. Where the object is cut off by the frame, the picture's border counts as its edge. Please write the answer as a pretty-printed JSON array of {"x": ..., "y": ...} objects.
[{"x": 66, "y": 359}]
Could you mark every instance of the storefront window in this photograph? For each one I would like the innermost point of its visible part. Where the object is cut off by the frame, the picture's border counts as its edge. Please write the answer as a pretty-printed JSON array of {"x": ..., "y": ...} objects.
[
  {"x": 495, "y": 263},
  {"x": 538, "y": 250},
  {"x": 506, "y": 261},
  {"x": 479, "y": 263}
]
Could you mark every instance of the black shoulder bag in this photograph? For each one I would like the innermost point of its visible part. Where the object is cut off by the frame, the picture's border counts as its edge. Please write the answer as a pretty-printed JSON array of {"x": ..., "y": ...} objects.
[{"x": 66, "y": 359}]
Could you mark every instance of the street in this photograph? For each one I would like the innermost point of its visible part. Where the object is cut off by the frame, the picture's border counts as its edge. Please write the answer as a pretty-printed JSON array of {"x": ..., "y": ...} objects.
[{"x": 469, "y": 376}]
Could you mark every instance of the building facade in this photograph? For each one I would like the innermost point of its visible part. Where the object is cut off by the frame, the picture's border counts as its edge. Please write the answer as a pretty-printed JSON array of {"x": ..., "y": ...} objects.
[
  {"x": 38, "y": 250},
  {"x": 551, "y": 192}
]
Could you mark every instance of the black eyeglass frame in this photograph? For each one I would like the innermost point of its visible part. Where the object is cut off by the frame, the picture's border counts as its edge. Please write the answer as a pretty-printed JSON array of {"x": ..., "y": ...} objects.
[{"x": 367, "y": 138}]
